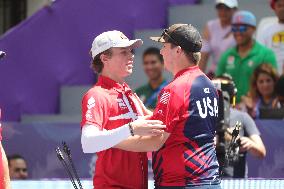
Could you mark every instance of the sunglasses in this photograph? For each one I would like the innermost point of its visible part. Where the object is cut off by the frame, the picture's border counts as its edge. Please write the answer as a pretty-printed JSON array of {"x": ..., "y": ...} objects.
[
  {"x": 240, "y": 28},
  {"x": 165, "y": 35}
]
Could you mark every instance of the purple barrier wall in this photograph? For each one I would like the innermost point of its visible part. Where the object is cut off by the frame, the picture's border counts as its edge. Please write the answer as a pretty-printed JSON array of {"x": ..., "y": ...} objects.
[
  {"x": 51, "y": 48},
  {"x": 36, "y": 142},
  {"x": 272, "y": 166}
]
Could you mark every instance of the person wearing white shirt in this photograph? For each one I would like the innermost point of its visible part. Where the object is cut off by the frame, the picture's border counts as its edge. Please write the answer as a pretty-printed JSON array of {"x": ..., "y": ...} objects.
[
  {"x": 272, "y": 34},
  {"x": 217, "y": 36}
]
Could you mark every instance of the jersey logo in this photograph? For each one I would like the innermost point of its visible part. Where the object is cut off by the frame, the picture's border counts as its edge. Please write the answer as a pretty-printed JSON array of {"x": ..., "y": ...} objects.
[
  {"x": 231, "y": 60},
  {"x": 250, "y": 63},
  {"x": 160, "y": 112},
  {"x": 122, "y": 36},
  {"x": 165, "y": 98},
  {"x": 278, "y": 39},
  {"x": 206, "y": 90},
  {"x": 208, "y": 108},
  {"x": 89, "y": 115},
  {"x": 121, "y": 103},
  {"x": 91, "y": 103}
]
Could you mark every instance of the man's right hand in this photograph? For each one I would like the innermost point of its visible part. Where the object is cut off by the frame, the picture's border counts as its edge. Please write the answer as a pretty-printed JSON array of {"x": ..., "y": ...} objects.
[{"x": 145, "y": 127}]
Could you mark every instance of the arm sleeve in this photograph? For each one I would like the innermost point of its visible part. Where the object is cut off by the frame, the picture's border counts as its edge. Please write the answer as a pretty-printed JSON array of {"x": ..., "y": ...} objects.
[
  {"x": 249, "y": 125},
  {"x": 94, "y": 140},
  {"x": 167, "y": 110},
  {"x": 95, "y": 114}
]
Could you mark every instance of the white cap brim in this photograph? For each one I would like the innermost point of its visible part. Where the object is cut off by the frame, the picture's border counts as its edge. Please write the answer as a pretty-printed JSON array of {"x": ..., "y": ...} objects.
[
  {"x": 231, "y": 4},
  {"x": 131, "y": 43}
]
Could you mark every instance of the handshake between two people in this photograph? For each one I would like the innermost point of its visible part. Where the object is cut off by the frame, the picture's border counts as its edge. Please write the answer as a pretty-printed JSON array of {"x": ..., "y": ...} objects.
[{"x": 144, "y": 126}]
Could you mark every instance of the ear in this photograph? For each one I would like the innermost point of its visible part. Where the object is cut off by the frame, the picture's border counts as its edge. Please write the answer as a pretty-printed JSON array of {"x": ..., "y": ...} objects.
[
  {"x": 104, "y": 58},
  {"x": 179, "y": 50}
]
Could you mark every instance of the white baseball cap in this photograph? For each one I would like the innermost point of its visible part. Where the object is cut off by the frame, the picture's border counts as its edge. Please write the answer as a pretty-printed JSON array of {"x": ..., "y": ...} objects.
[
  {"x": 229, "y": 3},
  {"x": 110, "y": 39}
]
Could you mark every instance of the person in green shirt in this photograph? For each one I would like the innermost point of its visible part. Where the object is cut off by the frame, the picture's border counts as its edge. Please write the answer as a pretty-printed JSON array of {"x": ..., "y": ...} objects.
[
  {"x": 241, "y": 60},
  {"x": 153, "y": 65}
]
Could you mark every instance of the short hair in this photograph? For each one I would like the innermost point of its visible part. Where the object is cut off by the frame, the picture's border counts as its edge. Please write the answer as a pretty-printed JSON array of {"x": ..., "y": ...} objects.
[
  {"x": 97, "y": 64},
  {"x": 262, "y": 68},
  {"x": 153, "y": 51},
  {"x": 193, "y": 57},
  {"x": 13, "y": 157}
]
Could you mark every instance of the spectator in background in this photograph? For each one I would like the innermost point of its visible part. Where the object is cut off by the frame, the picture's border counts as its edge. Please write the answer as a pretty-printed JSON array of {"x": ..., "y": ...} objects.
[
  {"x": 272, "y": 34},
  {"x": 217, "y": 34},
  {"x": 262, "y": 90},
  {"x": 17, "y": 167},
  {"x": 153, "y": 65},
  {"x": 250, "y": 140},
  {"x": 279, "y": 88},
  {"x": 241, "y": 60}
]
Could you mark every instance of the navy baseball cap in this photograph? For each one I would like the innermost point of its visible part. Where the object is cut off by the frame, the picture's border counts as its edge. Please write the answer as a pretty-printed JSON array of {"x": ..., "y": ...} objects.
[{"x": 184, "y": 35}]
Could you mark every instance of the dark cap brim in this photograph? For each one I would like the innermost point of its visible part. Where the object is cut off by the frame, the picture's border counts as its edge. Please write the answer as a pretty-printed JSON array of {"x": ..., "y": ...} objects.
[{"x": 158, "y": 39}]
